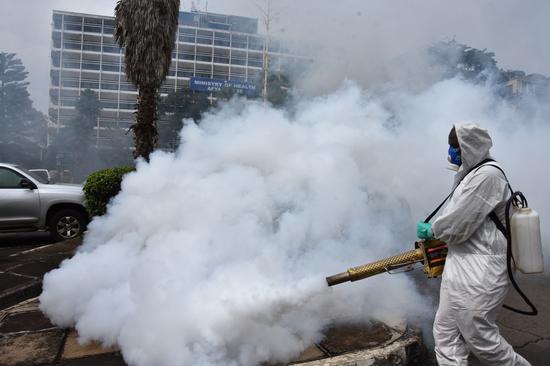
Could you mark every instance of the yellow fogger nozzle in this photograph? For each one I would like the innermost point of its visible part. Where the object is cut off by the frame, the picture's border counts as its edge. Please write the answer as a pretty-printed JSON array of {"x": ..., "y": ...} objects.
[{"x": 374, "y": 268}]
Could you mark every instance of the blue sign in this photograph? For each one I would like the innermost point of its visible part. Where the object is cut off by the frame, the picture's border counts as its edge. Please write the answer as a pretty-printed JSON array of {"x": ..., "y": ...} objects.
[{"x": 215, "y": 85}]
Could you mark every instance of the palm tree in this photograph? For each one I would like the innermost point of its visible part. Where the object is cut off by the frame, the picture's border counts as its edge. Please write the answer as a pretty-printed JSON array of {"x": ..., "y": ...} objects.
[{"x": 147, "y": 30}]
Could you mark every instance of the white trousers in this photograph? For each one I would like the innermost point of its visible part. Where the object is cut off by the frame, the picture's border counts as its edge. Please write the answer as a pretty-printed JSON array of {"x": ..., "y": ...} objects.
[{"x": 457, "y": 331}]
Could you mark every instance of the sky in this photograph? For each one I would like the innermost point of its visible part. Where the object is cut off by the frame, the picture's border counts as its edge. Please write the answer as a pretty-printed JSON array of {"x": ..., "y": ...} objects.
[{"x": 373, "y": 32}]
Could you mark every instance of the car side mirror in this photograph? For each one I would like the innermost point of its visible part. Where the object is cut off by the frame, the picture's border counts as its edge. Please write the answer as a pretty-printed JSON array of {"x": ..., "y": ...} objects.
[{"x": 25, "y": 183}]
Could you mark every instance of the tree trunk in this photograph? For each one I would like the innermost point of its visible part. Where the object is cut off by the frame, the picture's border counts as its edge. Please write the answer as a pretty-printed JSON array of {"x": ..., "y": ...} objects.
[{"x": 145, "y": 128}]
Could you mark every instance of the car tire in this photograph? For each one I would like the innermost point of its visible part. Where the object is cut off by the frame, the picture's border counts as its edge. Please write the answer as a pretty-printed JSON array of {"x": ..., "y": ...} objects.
[{"x": 67, "y": 224}]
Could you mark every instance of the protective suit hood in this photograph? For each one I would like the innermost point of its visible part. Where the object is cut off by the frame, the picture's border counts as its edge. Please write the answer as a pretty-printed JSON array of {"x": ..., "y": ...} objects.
[{"x": 475, "y": 144}]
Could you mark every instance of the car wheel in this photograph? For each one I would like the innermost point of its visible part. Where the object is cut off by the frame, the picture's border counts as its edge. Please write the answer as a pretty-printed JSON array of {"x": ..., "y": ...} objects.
[{"x": 67, "y": 224}]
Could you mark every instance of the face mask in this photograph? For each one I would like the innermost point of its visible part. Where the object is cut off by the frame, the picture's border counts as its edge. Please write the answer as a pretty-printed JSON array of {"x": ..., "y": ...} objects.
[{"x": 454, "y": 156}]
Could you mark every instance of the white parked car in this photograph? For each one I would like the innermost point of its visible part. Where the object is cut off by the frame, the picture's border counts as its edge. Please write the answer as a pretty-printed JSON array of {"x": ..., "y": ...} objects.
[
  {"x": 44, "y": 174},
  {"x": 28, "y": 202}
]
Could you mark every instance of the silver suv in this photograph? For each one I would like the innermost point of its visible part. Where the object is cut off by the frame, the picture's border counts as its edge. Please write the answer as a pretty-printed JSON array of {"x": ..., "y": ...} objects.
[{"x": 29, "y": 202}]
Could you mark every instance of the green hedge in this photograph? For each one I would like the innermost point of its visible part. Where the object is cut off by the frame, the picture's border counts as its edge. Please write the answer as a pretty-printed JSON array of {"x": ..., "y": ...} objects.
[{"x": 101, "y": 186}]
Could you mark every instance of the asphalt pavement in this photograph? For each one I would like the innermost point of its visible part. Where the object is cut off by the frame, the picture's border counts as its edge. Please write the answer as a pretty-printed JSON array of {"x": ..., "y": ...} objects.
[
  {"x": 530, "y": 335},
  {"x": 24, "y": 332}
]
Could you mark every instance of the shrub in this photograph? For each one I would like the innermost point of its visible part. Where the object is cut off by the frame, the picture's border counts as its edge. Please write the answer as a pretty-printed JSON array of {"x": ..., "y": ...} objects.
[{"x": 101, "y": 186}]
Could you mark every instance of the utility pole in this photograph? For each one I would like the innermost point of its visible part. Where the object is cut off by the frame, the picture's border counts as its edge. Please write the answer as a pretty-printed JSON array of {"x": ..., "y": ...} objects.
[{"x": 267, "y": 17}]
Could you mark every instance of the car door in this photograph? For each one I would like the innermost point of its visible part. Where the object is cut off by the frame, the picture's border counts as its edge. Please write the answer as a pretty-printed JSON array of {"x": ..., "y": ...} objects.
[{"x": 19, "y": 206}]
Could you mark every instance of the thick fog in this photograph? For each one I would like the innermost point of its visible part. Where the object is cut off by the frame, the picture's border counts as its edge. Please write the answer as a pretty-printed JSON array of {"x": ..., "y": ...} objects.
[{"x": 217, "y": 254}]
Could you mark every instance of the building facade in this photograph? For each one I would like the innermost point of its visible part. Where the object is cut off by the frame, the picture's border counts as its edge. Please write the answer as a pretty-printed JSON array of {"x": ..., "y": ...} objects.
[{"x": 84, "y": 55}]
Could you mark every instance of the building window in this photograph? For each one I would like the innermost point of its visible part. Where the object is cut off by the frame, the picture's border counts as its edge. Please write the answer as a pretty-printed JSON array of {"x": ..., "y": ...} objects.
[
  {"x": 73, "y": 26},
  {"x": 222, "y": 39},
  {"x": 110, "y": 66},
  {"x": 187, "y": 35},
  {"x": 92, "y": 46},
  {"x": 237, "y": 59},
  {"x": 221, "y": 59},
  {"x": 204, "y": 37},
  {"x": 72, "y": 45},
  {"x": 111, "y": 48},
  {"x": 186, "y": 73},
  {"x": 109, "y": 86},
  {"x": 90, "y": 65},
  {"x": 71, "y": 64},
  {"x": 54, "y": 77},
  {"x": 56, "y": 39},
  {"x": 109, "y": 26},
  {"x": 57, "y": 21},
  {"x": 68, "y": 102},
  {"x": 204, "y": 56},
  {"x": 256, "y": 43},
  {"x": 126, "y": 105},
  {"x": 186, "y": 55},
  {"x": 55, "y": 59},
  {"x": 92, "y": 28},
  {"x": 221, "y": 76},
  {"x": 127, "y": 87},
  {"x": 70, "y": 83},
  {"x": 238, "y": 41},
  {"x": 89, "y": 84}
]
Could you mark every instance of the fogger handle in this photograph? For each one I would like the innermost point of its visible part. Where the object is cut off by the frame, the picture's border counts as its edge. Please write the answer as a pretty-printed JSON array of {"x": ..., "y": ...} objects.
[{"x": 374, "y": 268}]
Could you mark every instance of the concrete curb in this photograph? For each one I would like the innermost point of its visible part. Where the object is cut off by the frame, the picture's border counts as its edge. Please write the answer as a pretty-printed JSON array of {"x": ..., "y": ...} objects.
[{"x": 403, "y": 351}]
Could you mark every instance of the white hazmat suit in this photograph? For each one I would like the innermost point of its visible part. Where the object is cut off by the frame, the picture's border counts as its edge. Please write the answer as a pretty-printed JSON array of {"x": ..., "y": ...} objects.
[{"x": 475, "y": 279}]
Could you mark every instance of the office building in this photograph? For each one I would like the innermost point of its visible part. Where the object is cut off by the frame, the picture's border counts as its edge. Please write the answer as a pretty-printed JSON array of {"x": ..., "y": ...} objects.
[{"x": 210, "y": 49}]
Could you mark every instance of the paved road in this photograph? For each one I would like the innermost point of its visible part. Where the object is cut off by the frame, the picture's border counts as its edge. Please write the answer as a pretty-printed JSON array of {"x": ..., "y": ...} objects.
[
  {"x": 24, "y": 258},
  {"x": 530, "y": 335},
  {"x": 31, "y": 239}
]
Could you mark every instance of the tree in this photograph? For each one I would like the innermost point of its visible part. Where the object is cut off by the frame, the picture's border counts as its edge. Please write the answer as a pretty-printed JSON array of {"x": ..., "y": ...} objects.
[
  {"x": 459, "y": 59},
  {"x": 14, "y": 96},
  {"x": 277, "y": 91},
  {"x": 117, "y": 152},
  {"x": 75, "y": 141},
  {"x": 79, "y": 134},
  {"x": 226, "y": 93},
  {"x": 147, "y": 31},
  {"x": 268, "y": 16},
  {"x": 22, "y": 128},
  {"x": 177, "y": 106}
]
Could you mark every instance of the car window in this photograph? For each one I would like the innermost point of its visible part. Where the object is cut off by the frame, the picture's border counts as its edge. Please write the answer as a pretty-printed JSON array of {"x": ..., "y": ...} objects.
[{"x": 9, "y": 179}]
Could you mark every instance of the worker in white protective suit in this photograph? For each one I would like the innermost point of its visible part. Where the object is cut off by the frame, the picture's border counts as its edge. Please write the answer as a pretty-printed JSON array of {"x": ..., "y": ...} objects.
[{"x": 475, "y": 279}]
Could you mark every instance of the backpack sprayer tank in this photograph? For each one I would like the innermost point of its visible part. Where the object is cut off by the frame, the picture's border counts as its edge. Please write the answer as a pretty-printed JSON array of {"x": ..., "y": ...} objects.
[{"x": 526, "y": 241}]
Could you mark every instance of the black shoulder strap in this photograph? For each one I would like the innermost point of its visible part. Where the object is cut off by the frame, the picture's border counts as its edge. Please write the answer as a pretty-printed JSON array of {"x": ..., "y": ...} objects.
[
  {"x": 430, "y": 216},
  {"x": 502, "y": 171},
  {"x": 493, "y": 216}
]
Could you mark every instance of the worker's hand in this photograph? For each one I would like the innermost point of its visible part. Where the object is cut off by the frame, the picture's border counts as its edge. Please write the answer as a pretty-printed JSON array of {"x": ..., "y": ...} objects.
[{"x": 424, "y": 230}]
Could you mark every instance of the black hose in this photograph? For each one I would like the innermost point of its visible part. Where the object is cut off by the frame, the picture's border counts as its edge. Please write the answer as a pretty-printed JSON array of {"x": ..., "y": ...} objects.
[{"x": 517, "y": 199}]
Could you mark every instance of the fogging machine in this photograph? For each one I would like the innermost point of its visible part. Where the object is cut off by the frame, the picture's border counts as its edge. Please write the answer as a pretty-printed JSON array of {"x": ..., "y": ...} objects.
[{"x": 431, "y": 253}]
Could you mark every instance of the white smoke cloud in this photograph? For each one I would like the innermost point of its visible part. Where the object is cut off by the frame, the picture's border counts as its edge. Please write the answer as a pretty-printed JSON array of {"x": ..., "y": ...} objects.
[{"x": 217, "y": 254}]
